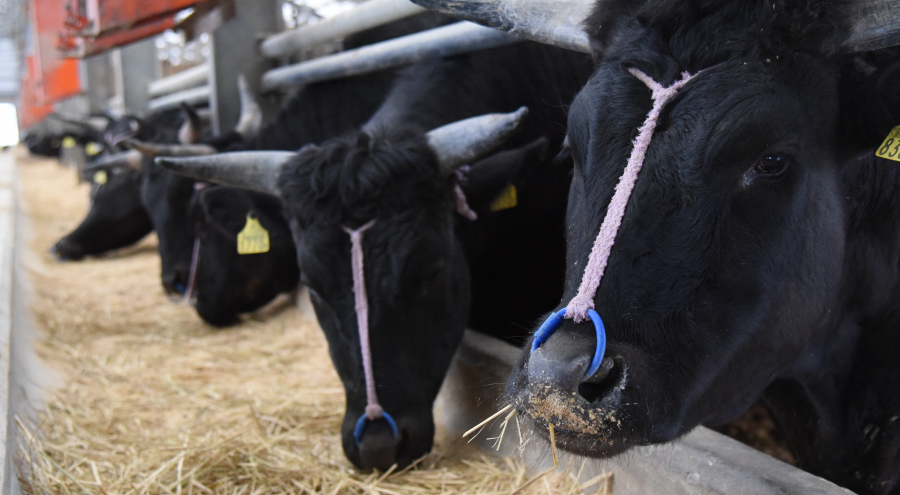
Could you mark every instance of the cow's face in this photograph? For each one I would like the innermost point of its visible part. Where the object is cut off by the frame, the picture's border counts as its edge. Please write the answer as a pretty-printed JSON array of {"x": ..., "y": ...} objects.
[
  {"x": 228, "y": 283},
  {"x": 416, "y": 278},
  {"x": 166, "y": 196},
  {"x": 400, "y": 182},
  {"x": 727, "y": 260},
  {"x": 116, "y": 218}
]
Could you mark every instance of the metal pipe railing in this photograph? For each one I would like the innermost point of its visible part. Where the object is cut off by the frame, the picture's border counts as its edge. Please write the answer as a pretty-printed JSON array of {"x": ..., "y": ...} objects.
[
  {"x": 195, "y": 76},
  {"x": 189, "y": 96},
  {"x": 440, "y": 42},
  {"x": 365, "y": 16}
]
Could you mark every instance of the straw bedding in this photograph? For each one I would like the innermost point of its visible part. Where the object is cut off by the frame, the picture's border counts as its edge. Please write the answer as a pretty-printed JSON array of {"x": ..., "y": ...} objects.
[{"x": 151, "y": 400}]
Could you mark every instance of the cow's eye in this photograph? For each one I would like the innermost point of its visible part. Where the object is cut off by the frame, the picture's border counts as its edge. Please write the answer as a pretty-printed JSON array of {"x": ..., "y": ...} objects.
[{"x": 773, "y": 165}]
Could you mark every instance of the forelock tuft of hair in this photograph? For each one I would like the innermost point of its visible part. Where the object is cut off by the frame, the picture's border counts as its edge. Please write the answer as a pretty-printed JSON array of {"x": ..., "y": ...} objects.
[
  {"x": 363, "y": 176},
  {"x": 711, "y": 31}
]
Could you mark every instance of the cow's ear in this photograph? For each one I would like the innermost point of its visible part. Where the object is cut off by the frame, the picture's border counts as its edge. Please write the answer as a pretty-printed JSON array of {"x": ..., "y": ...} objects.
[
  {"x": 489, "y": 177},
  {"x": 870, "y": 104}
]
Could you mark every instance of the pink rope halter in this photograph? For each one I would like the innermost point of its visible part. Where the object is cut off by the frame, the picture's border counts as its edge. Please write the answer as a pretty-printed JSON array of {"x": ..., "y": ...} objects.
[
  {"x": 582, "y": 305},
  {"x": 599, "y": 257},
  {"x": 373, "y": 408}
]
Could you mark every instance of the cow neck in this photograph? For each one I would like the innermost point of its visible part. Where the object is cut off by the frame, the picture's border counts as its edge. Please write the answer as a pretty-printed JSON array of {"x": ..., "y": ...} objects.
[
  {"x": 578, "y": 307},
  {"x": 373, "y": 408}
]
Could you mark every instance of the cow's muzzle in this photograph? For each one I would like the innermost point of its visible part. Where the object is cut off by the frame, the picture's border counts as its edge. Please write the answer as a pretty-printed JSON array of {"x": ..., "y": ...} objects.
[{"x": 557, "y": 390}]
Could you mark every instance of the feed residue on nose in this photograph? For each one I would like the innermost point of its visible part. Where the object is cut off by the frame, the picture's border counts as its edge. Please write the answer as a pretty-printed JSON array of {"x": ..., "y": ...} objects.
[{"x": 547, "y": 404}]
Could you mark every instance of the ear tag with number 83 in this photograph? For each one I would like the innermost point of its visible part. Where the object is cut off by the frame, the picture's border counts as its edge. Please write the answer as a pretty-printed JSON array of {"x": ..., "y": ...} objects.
[
  {"x": 254, "y": 239},
  {"x": 890, "y": 148}
]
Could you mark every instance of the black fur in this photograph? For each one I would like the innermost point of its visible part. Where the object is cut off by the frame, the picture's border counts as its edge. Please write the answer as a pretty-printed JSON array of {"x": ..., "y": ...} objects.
[
  {"x": 228, "y": 283},
  {"x": 419, "y": 255},
  {"x": 116, "y": 219},
  {"x": 729, "y": 282}
]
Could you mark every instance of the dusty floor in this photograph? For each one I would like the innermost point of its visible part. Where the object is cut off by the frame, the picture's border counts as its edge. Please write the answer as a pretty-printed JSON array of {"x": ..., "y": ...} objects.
[{"x": 152, "y": 400}]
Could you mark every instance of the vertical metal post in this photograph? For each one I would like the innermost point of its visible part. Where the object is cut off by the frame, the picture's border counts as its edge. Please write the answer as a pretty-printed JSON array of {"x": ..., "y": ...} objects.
[
  {"x": 98, "y": 81},
  {"x": 117, "y": 101},
  {"x": 235, "y": 50},
  {"x": 139, "y": 68}
]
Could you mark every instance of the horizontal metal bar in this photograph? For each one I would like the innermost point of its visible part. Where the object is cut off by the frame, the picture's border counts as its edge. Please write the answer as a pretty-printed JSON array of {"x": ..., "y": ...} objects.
[
  {"x": 440, "y": 42},
  {"x": 172, "y": 100},
  {"x": 874, "y": 24},
  {"x": 553, "y": 22},
  {"x": 195, "y": 76},
  {"x": 365, "y": 16}
]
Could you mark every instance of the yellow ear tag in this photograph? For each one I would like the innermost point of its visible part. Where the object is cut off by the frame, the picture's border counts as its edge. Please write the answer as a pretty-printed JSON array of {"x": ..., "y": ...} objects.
[
  {"x": 100, "y": 177},
  {"x": 68, "y": 142},
  {"x": 507, "y": 199},
  {"x": 254, "y": 239},
  {"x": 890, "y": 148},
  {"x": 92, "y": 149}
]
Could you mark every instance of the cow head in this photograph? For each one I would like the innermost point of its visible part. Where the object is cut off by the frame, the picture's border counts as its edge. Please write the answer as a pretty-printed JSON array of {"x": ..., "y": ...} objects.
[
  {"x": 728, "y": 263},
  {"x": 116, "y": 218},
  {"x": 415, "y": 271},
  {"x": 228, "y": 283}
]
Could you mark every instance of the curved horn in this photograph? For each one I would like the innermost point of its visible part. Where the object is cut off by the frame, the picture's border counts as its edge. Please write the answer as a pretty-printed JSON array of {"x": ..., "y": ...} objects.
[
  {"x": 153, "y": 150},
  {"x": 131, "y": 159},
  {"x": 254, "y": 170},
  {"x": 464, "y": 141},
  {"x": 189, "y": 132},
  {"x": 251, "y": 115}
]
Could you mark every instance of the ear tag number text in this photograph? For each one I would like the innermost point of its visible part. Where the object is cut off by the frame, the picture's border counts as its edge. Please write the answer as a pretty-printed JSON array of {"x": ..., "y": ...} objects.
[
  {"x": 508, "y": 199},
  {"x": 253, "y": 239},
  {"x": 100, "y": 177},
  {"x": 890, "y": 148}
]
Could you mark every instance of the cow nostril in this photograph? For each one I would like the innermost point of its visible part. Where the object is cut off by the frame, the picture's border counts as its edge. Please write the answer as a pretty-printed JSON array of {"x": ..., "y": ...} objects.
[{"x": 601, "y": 383}]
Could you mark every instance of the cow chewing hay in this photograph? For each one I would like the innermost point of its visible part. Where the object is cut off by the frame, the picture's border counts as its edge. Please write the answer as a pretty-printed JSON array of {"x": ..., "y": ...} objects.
[{"x": 151, "y": 400}]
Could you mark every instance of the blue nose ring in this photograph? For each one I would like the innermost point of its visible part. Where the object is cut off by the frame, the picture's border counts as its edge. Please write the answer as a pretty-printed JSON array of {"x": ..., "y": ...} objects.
[
  {"x": 552, "y": 323},
  {"x": 361, "y": 426}
]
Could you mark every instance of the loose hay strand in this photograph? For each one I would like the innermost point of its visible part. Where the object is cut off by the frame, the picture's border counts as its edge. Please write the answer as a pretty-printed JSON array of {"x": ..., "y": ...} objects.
[
  {"x": 151, "y": 400},
  {"x": 488, "y": 420},
  {"x": 546, "y": 472}
]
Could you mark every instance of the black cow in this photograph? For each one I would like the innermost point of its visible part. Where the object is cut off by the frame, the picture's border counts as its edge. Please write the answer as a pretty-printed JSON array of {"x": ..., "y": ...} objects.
[
  {"x": 317, "y": 112},
  {"x": 47, "y": 137},
  {"x": 758, "y": 254},
  {"x": 419, "y": 253},
  {"x": 227, "y": 283},
  {"x": 117, "y": 217}
]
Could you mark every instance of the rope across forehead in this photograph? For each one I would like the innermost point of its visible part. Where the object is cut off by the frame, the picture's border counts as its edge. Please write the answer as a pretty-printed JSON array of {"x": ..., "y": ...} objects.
[
  {"x": 373, "y": 408},
  {"x": 593, "y": 272},
  {"x": 582, "y": 305}
]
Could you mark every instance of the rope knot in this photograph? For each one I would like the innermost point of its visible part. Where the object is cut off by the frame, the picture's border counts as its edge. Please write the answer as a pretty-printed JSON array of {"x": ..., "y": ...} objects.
[
  {"x": 579, "y": 306},
  {"x": 374, "y": 411}
]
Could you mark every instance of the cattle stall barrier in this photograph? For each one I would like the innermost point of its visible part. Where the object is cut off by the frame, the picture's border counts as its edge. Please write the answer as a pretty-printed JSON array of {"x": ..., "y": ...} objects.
[{"x": 190, "y": 86}]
